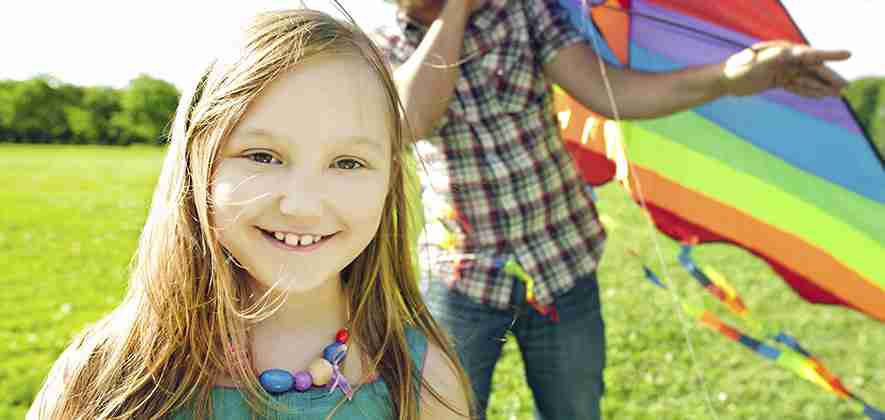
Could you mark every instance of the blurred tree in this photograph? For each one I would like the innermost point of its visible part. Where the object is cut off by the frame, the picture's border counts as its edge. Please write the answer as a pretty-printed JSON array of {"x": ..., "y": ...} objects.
[
  {"x": 36, "y": 110},
  {"x": 90, "y": 120},
  {"x": 146, "y": 109},
  {"x": 6, "y": 92},
  {"x": 867, "y": 98}
]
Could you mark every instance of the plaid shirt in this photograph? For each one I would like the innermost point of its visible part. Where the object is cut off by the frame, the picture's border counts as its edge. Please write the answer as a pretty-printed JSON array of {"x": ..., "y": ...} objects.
[{"x": 497, "y": 180}]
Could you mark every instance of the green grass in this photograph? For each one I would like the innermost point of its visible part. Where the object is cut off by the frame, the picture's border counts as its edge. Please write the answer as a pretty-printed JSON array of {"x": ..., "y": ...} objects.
[{"x": 70, "y": 218}]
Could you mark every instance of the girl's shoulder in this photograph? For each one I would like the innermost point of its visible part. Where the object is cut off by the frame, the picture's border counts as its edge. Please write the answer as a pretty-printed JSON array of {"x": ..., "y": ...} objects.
[{"x": 442, "y": 374}]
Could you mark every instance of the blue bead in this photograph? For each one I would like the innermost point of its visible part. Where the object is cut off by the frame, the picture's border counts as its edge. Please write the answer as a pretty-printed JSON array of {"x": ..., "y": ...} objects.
[
  {"x": 276, "y": 381},
  {"x": 335, "y": 352}
]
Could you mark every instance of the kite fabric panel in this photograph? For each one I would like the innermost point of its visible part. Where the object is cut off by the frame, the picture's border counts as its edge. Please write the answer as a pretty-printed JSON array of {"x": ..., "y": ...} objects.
[{"x": 796, "y": 181}]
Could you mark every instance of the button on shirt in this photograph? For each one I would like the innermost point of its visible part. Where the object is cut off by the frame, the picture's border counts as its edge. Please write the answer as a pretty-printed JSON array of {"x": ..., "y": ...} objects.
[{"x": 497, "y": 182}]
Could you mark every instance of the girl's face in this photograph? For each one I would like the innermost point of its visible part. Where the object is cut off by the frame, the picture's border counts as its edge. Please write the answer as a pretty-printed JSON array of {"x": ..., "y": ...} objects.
[{"x": 299, "y": 189}]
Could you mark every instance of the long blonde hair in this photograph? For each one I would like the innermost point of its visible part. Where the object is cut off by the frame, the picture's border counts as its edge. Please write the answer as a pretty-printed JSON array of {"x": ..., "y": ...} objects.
[{"x": 161, "y": 349}]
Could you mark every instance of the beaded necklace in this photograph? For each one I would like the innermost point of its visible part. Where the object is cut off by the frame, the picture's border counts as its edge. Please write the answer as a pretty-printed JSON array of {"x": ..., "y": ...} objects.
[{"x": 322, "y": 372}]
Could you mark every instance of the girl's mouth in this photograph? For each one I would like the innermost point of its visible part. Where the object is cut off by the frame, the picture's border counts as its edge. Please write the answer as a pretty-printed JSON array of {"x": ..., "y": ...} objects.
[{"x": 296, "y": 242}]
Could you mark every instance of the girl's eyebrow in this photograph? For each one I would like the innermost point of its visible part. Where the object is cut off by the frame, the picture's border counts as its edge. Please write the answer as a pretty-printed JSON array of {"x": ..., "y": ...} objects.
[
  {"x": 240, "y": 138},
  {"x": 362, "y": 141},
  {"x": 344, "y": 141},
  {"x": 258, "y": 133}
]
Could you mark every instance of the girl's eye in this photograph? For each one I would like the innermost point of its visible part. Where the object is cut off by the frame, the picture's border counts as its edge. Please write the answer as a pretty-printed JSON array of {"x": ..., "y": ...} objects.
[
  {"x": 263, "y": 157},
  {"x": 348, "y": 164}
]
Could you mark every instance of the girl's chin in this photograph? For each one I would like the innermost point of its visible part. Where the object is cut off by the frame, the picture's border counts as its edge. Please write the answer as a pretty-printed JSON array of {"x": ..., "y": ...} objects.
[{"x": 293, "y": 286}]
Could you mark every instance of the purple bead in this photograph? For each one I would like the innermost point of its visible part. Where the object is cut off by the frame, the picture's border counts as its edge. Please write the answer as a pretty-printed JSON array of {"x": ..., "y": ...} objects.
[
  {"x": 335, "y": 352},
  {"x": 303, "y": 381},
  {"x": 276, "y": 381}
]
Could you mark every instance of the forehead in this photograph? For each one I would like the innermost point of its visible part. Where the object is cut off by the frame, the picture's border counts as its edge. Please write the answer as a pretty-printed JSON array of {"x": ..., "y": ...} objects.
[{"x": 325, "y": 97}]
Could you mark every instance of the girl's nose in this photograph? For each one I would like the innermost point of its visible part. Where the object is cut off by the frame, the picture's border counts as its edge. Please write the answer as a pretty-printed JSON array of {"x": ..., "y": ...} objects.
[{"x": 303, "y": 199}]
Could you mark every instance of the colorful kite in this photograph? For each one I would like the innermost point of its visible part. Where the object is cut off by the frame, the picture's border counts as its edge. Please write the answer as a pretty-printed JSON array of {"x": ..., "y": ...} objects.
[{"x": 795, "y": 181}]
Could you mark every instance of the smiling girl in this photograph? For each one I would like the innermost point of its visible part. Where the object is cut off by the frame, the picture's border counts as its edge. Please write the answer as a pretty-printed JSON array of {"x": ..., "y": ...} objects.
[{"x": 274, "y": 274}]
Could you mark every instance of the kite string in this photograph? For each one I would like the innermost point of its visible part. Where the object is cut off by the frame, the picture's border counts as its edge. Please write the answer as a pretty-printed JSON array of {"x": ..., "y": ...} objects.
[{"x": 652, "y": 232}]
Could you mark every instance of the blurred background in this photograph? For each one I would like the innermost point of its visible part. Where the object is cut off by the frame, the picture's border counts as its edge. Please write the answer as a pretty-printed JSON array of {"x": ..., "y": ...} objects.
[{"x": 80, "y": 79}]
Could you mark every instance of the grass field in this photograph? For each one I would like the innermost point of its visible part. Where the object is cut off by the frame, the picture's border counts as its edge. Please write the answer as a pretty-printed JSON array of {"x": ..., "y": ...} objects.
[{"x": 70, "y": 218}]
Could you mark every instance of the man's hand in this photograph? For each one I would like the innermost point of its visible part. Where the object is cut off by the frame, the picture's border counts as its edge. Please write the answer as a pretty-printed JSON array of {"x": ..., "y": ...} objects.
[
  {"x": 779, "y": 64},
  {"x": 429, "y": 10},
  {"x": 474, "y": 5}
]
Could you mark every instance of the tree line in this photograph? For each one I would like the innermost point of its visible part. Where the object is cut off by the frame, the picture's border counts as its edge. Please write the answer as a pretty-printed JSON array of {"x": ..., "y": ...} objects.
[
  {"x": 45, "y": 110},
  {"x": 867, "y": 99}
]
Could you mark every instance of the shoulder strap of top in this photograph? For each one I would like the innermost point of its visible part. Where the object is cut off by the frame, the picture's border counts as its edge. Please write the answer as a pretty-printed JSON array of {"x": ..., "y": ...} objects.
[{"x": 417, "y": 346}]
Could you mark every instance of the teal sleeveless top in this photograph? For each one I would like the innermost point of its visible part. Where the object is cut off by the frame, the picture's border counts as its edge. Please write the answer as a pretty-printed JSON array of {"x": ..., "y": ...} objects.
[{"x": 371, "y": 401}]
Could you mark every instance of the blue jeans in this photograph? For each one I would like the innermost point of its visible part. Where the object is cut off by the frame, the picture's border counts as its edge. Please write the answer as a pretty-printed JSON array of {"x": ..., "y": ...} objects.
[{"x": 563, "y": 360}]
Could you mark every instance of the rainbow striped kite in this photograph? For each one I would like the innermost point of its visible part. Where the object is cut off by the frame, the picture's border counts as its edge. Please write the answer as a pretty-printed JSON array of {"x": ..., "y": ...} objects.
[{"x": 796, "y": 181}]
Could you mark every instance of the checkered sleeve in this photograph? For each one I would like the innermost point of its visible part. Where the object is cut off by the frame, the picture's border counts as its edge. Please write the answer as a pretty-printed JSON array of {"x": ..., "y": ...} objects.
[
  {"x": 550, "y": 28},
  {"x": 389, "y": 41}
]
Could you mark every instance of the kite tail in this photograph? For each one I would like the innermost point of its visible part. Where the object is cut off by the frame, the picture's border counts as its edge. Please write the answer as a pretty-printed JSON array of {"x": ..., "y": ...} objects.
[
  {"x": 872, "y": 412},
  {"x": 511, "y": 267},
  {"x": 794, "y": 357}
]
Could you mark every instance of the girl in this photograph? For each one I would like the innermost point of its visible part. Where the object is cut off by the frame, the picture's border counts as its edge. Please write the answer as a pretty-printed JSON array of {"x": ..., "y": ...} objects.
[{"x": 274, "y": 275}]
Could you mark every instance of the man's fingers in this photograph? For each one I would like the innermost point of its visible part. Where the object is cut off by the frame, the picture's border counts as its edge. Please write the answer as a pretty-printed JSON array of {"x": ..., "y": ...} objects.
[
  {"x": 797, "y": 68},
  {"x": 809, "y": 83},
  {"x": 829, "y": 76},
  {"x": 811, "y": 56},
  {"x": 811, "y": 86},
  {"x": 806, "y": 92}
]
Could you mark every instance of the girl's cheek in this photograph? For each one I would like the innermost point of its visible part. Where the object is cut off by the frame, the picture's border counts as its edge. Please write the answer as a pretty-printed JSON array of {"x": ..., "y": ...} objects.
[
  {"x": 232, "y": 192},
  {"x": 234, "y": 182},
  {"x": 365, "y": 196},
  {"x": 221, "y": 205},
  {"x": 366, "y": 188},
  {"x": 224, "y": 195},
  {"x": 222, "y": 182}
]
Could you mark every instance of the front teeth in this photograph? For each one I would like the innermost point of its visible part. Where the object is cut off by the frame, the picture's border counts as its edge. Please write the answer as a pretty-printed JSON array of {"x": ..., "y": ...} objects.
[{"x": 297, "y": 240}]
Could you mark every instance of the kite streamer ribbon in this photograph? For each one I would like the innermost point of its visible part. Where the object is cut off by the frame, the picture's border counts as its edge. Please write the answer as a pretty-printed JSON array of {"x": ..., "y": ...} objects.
[{"x": 793, "y": 357}]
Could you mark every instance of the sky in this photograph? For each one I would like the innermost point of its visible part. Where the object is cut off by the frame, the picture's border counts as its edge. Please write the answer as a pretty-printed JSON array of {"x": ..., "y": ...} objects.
[{"x": 92, "y": 42}]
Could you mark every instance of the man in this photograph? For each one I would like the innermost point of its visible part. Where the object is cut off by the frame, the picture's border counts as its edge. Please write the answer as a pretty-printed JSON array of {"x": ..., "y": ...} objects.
[{"x": 475, "y": 77}]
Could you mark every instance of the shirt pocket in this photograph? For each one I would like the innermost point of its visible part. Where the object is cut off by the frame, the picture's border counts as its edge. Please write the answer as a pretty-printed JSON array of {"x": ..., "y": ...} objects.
[
  {"x": 496, "y": 79},
  {"x": 511, "y": 74}
]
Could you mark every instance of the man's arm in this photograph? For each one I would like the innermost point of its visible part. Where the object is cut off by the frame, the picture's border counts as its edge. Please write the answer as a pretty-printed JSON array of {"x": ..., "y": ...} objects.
[
  {"x": 426, "y": 81},
  {"x": 797, "y": 68}
]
